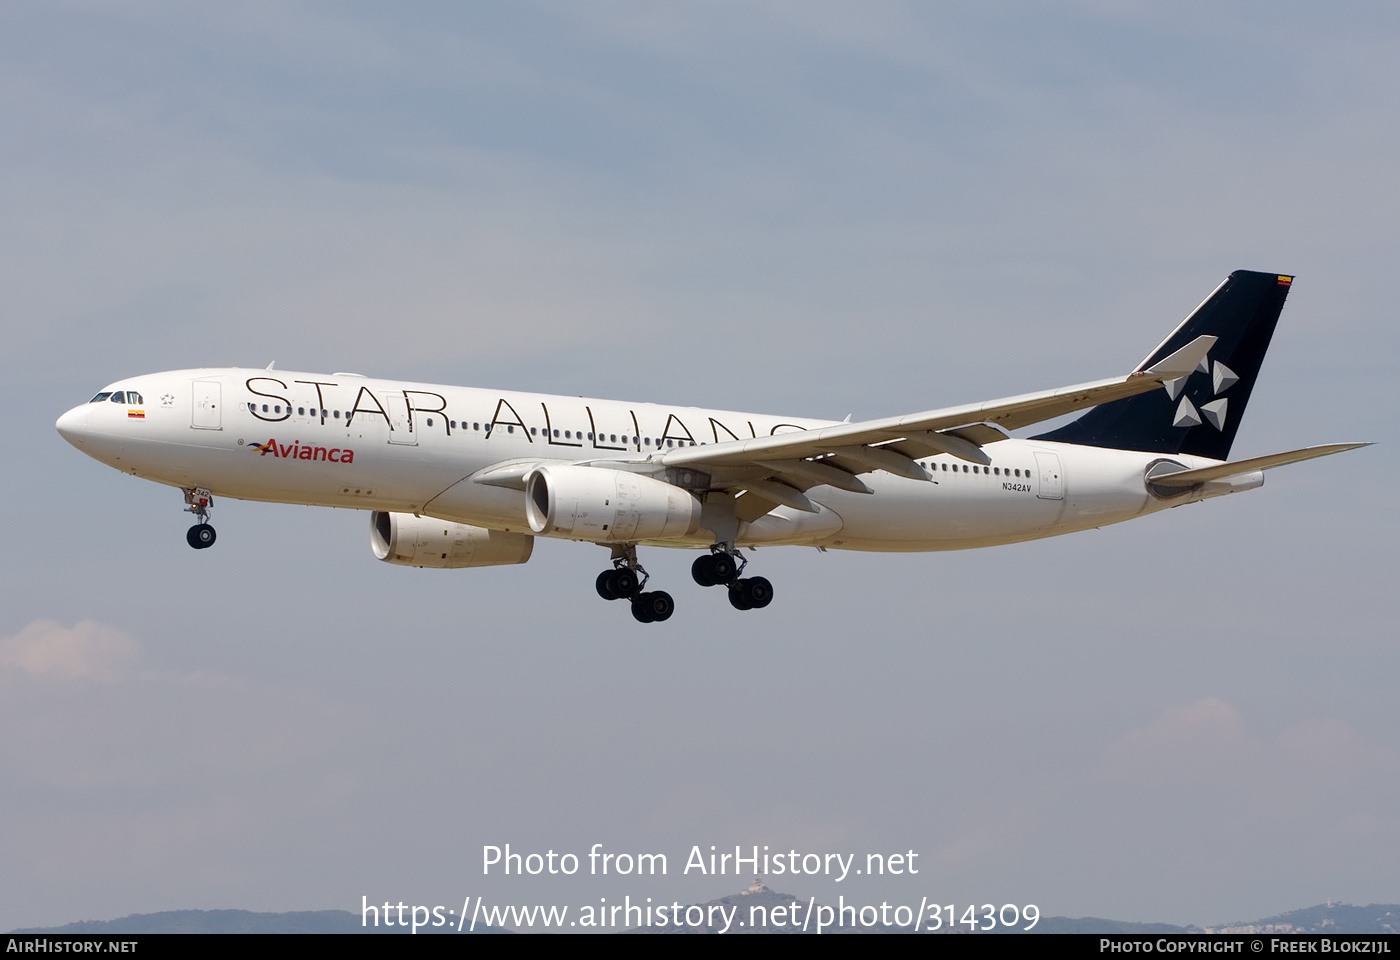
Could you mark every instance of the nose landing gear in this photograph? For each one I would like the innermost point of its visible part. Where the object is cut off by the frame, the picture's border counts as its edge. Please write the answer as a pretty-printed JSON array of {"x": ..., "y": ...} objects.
[{"x": 201, "y": 501}]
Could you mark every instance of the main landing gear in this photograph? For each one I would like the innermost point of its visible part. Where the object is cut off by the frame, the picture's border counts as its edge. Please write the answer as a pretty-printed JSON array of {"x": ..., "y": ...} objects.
[
  {"x": 625, "y": 582},
  {"x": 723, "y": 566},
  {"x": 201, "y": 501}
]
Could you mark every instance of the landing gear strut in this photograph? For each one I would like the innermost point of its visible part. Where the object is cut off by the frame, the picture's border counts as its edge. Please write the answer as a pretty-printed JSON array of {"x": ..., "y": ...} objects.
[
  {"x": 723, "y": 565},
  {"x": 201, "y": 501},
  {"x": 625, "y": 582}
]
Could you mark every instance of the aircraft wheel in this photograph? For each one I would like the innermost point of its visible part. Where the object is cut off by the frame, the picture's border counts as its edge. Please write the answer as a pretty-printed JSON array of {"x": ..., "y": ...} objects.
[
  {"x": 200, "y": 536},
  {"x": 623, "y": 583},
  {"x": 723, "y": 567},
  {"x": 759, "y": 591},
  {"x": 702, "y": 570},
  {"x": 661, "y": 605},
  {"x": 653, "y": 607},
  {"x": 604, "y": 585},
  {"x": 739, "y": 595},
  {"x": 641, "y": 611}
]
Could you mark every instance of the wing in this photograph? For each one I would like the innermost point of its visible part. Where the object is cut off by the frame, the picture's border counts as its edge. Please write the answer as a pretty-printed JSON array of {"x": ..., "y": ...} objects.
[{"x": 775, "y": 470}]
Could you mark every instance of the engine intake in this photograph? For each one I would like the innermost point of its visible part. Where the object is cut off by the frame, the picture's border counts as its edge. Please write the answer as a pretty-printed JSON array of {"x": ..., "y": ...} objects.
[
  {"x": 424, "y": 542},
  {"x": 607, "y": 506}
]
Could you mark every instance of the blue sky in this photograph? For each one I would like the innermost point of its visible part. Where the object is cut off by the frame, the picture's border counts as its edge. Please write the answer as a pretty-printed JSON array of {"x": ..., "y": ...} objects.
[{"x": 815, "y": 209}]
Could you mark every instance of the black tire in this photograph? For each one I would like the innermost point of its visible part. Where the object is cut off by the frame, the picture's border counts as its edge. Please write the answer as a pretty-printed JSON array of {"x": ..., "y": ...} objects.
[
  {"x": 702, "y": 570},
  {"x": 604, "y": 585},
  {"x": 659, "y": 605},
  {"x": 641, "y": 610},
  {"x": 201, "y": 536},
  {"x": 759, "y": 592},
  {"x": 739, "y": 596},
  {"x": 624, "y": 583},
  {"x": 723, "y": 567}
]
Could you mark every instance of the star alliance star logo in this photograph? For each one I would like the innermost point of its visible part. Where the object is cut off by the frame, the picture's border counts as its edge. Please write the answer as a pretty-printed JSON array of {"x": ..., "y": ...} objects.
[
  {"x": 1222, "y": 378},
  {"x": 167, "y": 400}
]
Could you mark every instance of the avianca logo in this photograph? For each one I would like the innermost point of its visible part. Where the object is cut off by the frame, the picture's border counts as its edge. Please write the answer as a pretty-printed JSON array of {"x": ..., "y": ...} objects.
[{"x": 295, "y": 451}]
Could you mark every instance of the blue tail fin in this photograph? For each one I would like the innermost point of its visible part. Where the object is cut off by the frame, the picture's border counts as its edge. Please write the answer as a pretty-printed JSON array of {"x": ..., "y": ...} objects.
[{"x": 1199, "y": 413}]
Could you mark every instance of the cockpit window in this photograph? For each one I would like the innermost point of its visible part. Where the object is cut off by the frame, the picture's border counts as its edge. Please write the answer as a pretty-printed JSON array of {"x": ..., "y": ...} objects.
[
  {"x": 100, "y": 397},
  {"x": 133, "y": 397},
  {"x": 119, "y": 397}
]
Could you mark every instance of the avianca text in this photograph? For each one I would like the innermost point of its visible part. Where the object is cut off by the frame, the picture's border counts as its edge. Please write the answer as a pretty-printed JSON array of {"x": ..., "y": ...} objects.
[{"x": 295, "y": 451}]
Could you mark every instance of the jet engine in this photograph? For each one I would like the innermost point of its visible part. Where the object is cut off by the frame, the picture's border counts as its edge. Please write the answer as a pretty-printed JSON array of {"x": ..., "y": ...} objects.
[
  {"x": 424, "y": 542},
  {"x": 607, "y": 506}
]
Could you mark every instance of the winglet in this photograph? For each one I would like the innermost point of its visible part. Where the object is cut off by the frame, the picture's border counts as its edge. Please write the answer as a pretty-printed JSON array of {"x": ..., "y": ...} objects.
[{"x": 1182, "y": 362}]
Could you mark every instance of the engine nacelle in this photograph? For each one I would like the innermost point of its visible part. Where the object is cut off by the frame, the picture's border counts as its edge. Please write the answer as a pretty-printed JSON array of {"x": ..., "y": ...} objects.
[
  {"x": 607, "y": 506},
  {"x": 425, "y": 542}
]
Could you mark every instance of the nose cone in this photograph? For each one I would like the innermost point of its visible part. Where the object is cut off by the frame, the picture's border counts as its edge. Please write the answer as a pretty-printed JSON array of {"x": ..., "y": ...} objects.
[{"x": 73, "y": 426}]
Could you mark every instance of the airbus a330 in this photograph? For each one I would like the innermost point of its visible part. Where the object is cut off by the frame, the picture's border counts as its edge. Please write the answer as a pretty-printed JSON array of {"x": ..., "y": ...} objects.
[{"x": 468, "y": 477}]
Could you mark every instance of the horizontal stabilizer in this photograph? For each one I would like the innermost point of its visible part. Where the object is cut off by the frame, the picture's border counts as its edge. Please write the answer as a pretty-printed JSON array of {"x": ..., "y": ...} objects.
[
  {"x": 1187, "y": 478},
  {"x": 1184, "y": 361}
]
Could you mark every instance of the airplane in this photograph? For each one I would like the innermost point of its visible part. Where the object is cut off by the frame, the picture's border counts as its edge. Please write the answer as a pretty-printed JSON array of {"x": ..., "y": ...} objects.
[{"x": 467, "y": 477}]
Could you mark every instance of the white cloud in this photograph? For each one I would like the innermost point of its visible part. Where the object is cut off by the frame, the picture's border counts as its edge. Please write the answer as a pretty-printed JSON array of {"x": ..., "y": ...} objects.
[
  {"x": 87, "y": 649},
  {"x": 131, "y": 789},
  {"x": 1207, "y": 741}
]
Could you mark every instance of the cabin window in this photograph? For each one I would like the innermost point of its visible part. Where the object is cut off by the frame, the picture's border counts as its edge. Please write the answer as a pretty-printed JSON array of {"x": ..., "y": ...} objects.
[{"x": 430, "y": 421}]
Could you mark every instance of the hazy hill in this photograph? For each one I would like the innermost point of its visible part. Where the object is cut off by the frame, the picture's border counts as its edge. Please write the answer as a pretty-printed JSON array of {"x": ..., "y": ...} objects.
[
  {"x": 1326, "y": 918},
  {"x": 237, "y": 921},
  {"x": 1376, "y": 918}
]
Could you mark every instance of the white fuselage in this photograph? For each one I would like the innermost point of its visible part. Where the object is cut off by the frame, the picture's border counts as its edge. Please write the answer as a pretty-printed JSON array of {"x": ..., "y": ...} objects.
[{"x": 344, "y": 440}]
